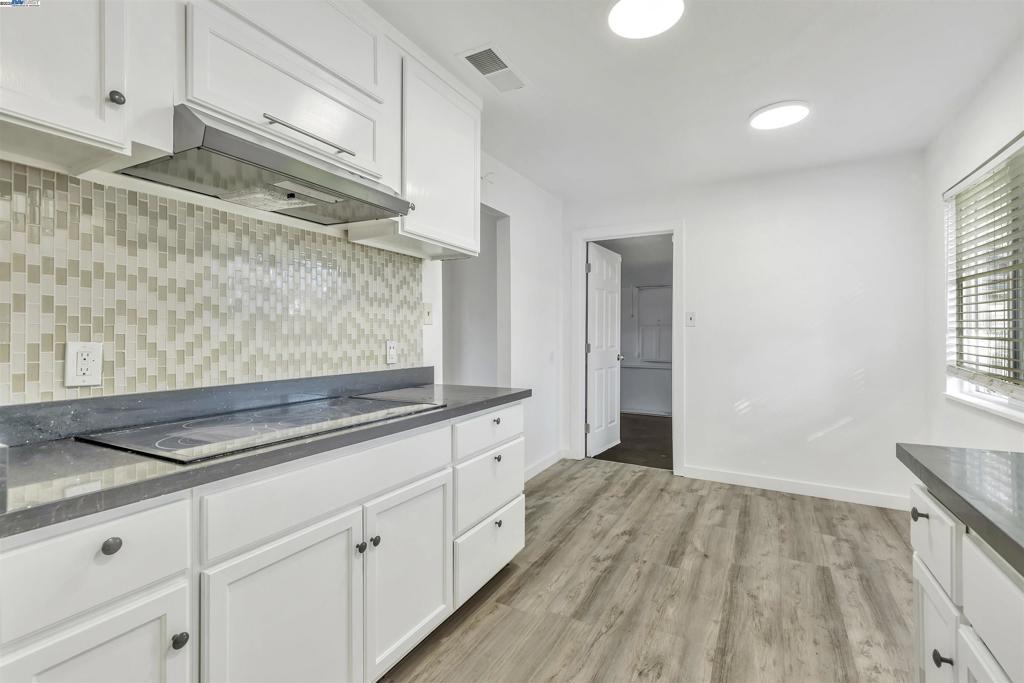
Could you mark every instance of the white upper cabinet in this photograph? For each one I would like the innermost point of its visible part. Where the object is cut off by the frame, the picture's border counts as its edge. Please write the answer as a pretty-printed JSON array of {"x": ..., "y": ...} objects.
[
  {"x": 59, "y": 62},
  {"x": 307, "y": 75},
  {"x": 441, "y": 159}
]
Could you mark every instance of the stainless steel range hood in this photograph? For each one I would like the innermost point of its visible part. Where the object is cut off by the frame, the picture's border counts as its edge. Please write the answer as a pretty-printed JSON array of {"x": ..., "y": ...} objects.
[{"x": 210, "y": 160}]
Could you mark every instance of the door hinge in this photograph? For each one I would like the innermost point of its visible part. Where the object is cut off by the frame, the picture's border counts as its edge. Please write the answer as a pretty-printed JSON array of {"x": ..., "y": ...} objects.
[
  {"x": 589, "y": 267},
  {"x": 588, "y": 347},
  {"x": 586, "y": 428}
]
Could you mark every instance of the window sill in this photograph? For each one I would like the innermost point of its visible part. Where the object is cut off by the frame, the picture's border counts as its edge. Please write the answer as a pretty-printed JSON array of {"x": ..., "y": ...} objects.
[{"x": 1004, "y": 412}]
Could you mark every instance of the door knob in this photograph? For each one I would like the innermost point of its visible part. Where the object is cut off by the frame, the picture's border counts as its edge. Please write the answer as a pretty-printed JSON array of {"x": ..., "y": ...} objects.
[
  {"x": 375, "y": 541},
  {"x": 117, "y": 97},
  {"x": 497, "y": 458},
  {"x": 498, "y": 524},
  {"x": 916, "y": 515},
  {"x": 940, "y": 660},
  {"x": 361, "y": 547},
  {"x": 111, "y": 545},
  {"x": 178, "y": 640},
  {"x": 619, "y": 356},
  {"x": 496, "y": 420}
]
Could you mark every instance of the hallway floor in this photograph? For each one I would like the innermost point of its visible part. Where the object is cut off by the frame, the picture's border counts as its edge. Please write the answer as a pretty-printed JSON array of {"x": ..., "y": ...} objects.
[
  {"x": 646, "y": 440},
  {"x": 633, "y": 574}
]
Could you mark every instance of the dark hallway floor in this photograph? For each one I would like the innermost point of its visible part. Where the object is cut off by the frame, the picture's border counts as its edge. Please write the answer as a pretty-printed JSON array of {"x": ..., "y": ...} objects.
[{"x": 646, "y": 440}]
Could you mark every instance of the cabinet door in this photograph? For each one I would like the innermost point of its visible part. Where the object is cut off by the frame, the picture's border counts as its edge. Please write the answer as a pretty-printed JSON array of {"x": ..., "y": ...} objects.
[
  {"x": 937, "y": 621},
  {"x": 976, "y": 663},
  {"x": 441, "y": 160},
  {"x": 408, "y": 568},
  {"x": 59, "y": 61},
  {"x": 245, "y": 74},
  {"x": 290, "y": 611},
  {"x": 129, "y": 644}
]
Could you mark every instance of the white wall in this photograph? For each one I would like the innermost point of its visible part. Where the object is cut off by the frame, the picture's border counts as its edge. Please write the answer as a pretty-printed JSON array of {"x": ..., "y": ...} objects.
[
  {"x": 470, "y": 295},
  {"x": 537, "y": 293},
  {"x": 806, "y": 363},
  {"x": 991, "y": 118}
]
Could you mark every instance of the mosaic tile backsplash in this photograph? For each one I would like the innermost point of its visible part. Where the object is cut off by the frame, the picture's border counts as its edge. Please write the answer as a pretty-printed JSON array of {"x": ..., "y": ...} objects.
[{"x": 182, "y": 295}]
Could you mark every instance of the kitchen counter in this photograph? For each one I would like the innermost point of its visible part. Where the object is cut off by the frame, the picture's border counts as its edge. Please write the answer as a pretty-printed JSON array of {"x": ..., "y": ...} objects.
[
  {"x": 985, "y": 489},
  {"x": 54, "y": 481}
]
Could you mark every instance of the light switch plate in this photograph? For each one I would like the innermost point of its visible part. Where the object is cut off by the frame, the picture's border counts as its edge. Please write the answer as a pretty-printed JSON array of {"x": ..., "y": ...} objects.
[
  {"x": 691, "y": 319},
  {"x": 83, "y": 364},
  {"x": 392, "y": 352},
  {"x": 428, "y": 313}
]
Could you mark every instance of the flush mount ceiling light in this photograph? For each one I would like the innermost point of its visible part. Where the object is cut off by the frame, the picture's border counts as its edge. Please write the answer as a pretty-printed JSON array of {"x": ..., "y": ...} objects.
[
  {"x": 644, "y": 18},
  {"x": 779, "y": 115}
]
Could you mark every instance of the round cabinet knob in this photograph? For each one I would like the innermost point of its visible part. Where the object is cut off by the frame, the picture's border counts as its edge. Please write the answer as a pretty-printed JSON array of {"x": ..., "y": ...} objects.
[
  {"x": 111, "y": 545},
  {"x": 178, "y": 640},
  {"x": 916, "y": 515},
  {"x": 619, "y": 356},
  {"x": 498, "y": 524},
  {"x": 497, "y": 420},
  {"x": 497, "y": 458},
  {"x": 940, "y": 660},
  {"x": 117, "y": 97},
  {"x": 375, "y": 541},
  {"x": 361, "y": 547}
]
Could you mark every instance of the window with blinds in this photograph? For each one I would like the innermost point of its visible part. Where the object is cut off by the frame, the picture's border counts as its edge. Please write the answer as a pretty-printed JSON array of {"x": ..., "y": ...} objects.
[{"x": 986, "y": 269}]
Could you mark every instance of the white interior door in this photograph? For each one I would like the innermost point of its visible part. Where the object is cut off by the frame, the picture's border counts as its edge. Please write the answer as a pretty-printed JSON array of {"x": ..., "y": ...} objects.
[{"x": 603, "y": 348}]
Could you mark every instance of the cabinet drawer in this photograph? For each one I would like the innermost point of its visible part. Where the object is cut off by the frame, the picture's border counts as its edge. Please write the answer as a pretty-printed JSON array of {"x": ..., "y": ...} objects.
[
  {"x": 937, "y": 538},
  {"x": 242, "y": 74},
  {"x": 487, "y": 482},
  {"x": 994, "y": 604},
  {"x": 273, "y": 504},
  {"x": 487, "y": 430},
  {"x": 60, "y": 577},
  {"x": 975, "y": 662},
  {"x": 937, "y": 623},
  {"x": 486, "y": 548}
]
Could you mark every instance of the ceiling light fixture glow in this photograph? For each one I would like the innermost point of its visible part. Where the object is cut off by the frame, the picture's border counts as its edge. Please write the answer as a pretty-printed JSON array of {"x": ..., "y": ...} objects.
[
  {"x": 779, "y": 115},
  {"x": 636, "y": 19}
]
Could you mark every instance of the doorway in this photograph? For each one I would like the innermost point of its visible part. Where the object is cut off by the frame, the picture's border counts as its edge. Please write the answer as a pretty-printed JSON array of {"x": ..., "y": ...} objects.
[
  {"x": 477, "y": 309},
  {"x": 629, "y": 350}
]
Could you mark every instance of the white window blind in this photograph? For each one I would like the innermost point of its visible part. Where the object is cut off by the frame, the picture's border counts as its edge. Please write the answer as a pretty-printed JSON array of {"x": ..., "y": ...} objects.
[{"x": 986, "y": 277}]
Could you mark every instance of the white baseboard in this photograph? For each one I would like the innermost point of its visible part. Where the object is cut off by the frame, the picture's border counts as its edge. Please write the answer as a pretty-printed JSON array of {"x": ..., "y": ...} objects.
[
  {"x": 803, "y": 488},
  {"x": 536, "y": 468}
]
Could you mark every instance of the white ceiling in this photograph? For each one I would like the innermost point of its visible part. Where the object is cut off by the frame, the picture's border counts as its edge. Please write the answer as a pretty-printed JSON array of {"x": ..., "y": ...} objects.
[{"x": 605, "y": 116}]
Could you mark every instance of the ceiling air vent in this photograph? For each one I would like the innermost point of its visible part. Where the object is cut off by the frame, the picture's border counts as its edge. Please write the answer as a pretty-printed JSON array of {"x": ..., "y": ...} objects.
[{"x": 494, "y": 69}]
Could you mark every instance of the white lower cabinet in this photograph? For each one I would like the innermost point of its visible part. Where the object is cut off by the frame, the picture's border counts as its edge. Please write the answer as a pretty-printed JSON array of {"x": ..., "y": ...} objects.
[
  {"x": 290, "y": 611},
  {"x": 937, "y": 621},
  {"x": 482, "y": 551},
  {"x": 356, "y": 564},
  {"x": 408, "y": 568},
  {"x": 127, "y": 644},
  {"x": 976, "y": 663}
]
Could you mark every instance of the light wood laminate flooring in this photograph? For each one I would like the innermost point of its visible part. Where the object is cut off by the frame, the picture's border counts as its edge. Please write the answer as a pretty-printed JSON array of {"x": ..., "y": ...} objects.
[{"x": 632, "y": 574}]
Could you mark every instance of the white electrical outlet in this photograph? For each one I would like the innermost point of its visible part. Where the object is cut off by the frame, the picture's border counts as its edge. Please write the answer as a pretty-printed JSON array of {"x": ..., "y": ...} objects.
[
  {"x": 392, "y": 352},
  {"x": 691, "y": 319},
  {"x": 428, "y": 313},
  {"x": 83, "y": 364}
]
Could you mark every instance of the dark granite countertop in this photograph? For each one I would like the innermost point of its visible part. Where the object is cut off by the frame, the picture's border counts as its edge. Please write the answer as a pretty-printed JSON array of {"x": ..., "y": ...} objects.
[
  {"x": 54, "y": 481},
  {"x": 985, "y": 489}
]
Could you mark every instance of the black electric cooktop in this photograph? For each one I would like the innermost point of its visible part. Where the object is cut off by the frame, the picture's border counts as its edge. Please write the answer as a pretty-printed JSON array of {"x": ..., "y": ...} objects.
[{"x": 208, "y": 437}]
